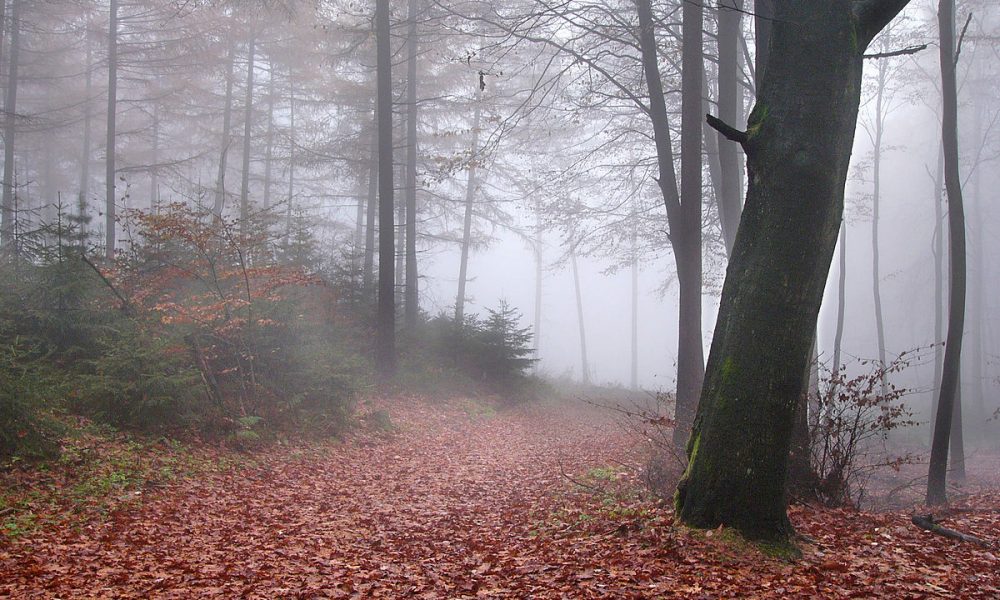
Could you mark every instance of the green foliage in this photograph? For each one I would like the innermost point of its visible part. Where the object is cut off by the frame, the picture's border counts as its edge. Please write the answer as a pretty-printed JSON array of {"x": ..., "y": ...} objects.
[{"x": 492, "y": 352}]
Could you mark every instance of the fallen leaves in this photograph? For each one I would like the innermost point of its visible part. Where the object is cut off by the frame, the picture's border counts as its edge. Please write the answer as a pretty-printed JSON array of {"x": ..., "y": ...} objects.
[{"x": 459, "y": 507}]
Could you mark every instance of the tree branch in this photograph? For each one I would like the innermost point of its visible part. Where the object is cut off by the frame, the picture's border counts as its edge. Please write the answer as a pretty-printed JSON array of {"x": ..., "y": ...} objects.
[
  {"x": 126, "y": 306},
  {"x": 728, "y": 131},
  {"x": 873, "y": 15},
  {"x": 902, "y": 52},
  {"x": 961, "y": 38},
  {"x": 927, "y": 522}
]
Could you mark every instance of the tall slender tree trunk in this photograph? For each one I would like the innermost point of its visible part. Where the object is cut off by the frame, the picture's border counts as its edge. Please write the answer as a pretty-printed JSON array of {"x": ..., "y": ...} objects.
[
  {"x": 227, "y": 120},
  {"x": 838, "y": 339},
  {"x": 411, "y": 306},
  {"x": 269, "y": 140},
  {"x": 109, "y": 175},
  {"x": 7, "y": 213},
  {"x": 154, "y": 180},
  {"x": 948, "y": 397},
  {"x": 798, "y": 165},
  {"x": 471, "y": 184},
  {"x": 291, "y": 158},
  {"x": 690, "y": 359},
  {"x": 876, "y": 202},
  {"x": 247, "y": 129},
  {"x": 683, "y": 209},
  {"x": 372, "y": 205},
  {"x": 729, "y": 14},
  {"x": 939, "y": 277},
  {"x": 539, "y": 267},
  {"x": 584, "y": 363},
  {"x": 87, "y": 127},
  {"x": 385, "y": 343},
  {"x": 634, "y": 242}
]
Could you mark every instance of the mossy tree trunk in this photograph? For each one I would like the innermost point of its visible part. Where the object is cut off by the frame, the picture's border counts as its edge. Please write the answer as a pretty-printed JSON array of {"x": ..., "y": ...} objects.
[{"x": 798, "y": 147}]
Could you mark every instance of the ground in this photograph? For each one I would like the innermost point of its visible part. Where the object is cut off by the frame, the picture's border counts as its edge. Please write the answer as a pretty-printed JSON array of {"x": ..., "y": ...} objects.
[{"x": 463, "y": 501}]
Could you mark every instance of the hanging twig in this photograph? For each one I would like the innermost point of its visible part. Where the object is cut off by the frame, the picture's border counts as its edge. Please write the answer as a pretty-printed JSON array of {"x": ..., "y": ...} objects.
[{"x": 961, "y": 38}]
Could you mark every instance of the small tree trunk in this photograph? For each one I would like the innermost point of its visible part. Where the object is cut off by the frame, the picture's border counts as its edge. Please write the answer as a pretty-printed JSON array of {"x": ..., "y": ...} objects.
[
  {"x": 291, "y": 159},
  {"x": 247, "y": 128},
  {"x": 368, "y": 275},
  {"x": 838, "y": 340},
  {"x": 539, "y": 256},
  {"x": 470, "y": 192},
  {"x": 154, "y": 181},
  {"x": 109, "y": 175},
  {"x": 227, "y": 119},
  {"x": 876, "y": 201},
  {"x": 729, "y": 14},
  {"x": 584, "y": 364},
  {"x": 635, "y": 302},
  {"x": 939, "y": 278},
  {"x": 385, "y": 343},
  {"x": 7, "y": 213},
  {"x": 87, "y": 127},
  {"x": 411, "y": 306},
  {"x": 269, "y": 141}
]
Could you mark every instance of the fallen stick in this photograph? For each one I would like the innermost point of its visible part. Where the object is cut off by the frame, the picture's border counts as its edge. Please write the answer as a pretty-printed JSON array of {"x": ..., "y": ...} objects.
[{"x": 927, "y": 522}]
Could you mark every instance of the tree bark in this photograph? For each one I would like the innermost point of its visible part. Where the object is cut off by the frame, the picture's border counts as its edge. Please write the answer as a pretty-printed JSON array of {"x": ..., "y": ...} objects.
[
  {"x": 798, "y": 146},
  {"x": 109, "y": 174},
  {"x": 385, "y": 343},
  {"x": 937, "y": 471}
]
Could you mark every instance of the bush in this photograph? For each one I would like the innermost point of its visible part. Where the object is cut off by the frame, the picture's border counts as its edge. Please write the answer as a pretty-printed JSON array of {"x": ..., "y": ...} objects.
[{"x": 852, "y": 422}]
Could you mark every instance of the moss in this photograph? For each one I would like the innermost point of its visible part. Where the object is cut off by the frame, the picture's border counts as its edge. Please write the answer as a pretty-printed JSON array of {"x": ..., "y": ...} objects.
[{"x": 757, "y": 117}]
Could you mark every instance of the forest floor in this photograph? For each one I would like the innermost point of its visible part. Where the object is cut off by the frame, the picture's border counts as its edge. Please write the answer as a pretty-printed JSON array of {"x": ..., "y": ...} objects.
[{"x": 462, "y": 501}]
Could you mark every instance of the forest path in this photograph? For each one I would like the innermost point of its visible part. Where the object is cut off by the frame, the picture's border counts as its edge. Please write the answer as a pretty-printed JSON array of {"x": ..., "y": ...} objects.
[{"x": 465, "y": 503}]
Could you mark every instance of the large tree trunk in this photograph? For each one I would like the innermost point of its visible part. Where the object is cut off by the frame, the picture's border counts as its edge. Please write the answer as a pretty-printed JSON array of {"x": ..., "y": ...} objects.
[
  {"x": 937, "y": 471},
  {"x": 227, "y": 120},
  {"x": 411, "y": 306},
  {"x": 385, "y": 324},
  {"x": 470, "y": 193},
  {"x": 9, "y": 131},
  {"x": 109, "y": 174},
  {"x": 798, "y": 146}
]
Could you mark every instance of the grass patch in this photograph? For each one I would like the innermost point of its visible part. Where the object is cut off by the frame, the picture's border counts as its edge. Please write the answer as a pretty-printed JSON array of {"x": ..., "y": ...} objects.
[{"x": 97, "y": 471}]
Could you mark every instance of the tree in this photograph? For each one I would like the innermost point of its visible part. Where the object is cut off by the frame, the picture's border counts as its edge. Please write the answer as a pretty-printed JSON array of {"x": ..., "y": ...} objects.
[
  {"x": 385, "y": 343},
  {"x": 684, "y": 207},
  {"x": 10, "y": 110},
  {"x": 410, "y": 296},
  {"x": 947, "y": 406},
  {"x": 798, "y": 146},
  {"x": 109, "y": 162}
]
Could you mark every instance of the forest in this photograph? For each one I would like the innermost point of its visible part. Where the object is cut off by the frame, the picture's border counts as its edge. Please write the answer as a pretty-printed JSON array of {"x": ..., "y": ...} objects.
[{"x": 499, "y": 299}]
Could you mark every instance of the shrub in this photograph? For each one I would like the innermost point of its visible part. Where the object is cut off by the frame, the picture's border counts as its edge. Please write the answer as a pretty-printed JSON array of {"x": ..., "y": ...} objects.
[{"x": 852, "y": 422}]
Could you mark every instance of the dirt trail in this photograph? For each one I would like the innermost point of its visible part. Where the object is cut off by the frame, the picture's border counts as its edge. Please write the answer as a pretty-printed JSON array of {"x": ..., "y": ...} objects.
[{"x": 459, "y": 505}]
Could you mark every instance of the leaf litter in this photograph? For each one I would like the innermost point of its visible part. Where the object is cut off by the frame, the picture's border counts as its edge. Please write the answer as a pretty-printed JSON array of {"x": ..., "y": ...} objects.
[{"x": 533, "y": 502}]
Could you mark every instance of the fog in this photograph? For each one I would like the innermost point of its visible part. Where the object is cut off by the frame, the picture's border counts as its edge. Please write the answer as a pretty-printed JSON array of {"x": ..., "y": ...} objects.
[{"x": 557, "y": 148}]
